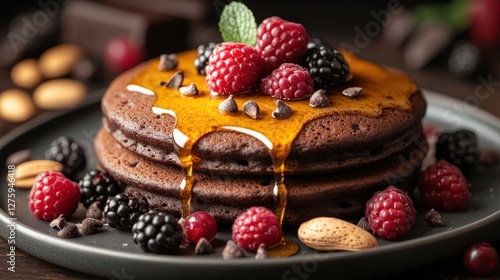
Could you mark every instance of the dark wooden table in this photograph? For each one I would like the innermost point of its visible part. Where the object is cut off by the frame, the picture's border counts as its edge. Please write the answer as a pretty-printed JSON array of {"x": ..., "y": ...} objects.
[{"x": 435, "y": 78}]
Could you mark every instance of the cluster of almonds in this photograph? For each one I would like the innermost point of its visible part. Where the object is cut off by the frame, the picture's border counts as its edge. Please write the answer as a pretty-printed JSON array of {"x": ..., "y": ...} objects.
[{"x": 51, "y": 82}]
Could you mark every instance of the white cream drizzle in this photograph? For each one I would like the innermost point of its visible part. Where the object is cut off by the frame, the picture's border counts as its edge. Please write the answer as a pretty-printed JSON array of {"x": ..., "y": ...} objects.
[
  {"x": 139, "y": 89},
  {"x": 252, "y": 133}
]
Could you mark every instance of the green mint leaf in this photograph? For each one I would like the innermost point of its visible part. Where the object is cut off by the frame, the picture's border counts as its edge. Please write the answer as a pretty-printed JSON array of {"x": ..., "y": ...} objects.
[{"x": 237, "y": 24}]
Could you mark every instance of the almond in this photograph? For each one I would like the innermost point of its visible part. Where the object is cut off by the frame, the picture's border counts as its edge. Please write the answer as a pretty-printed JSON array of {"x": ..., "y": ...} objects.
[
  {"x": 16, "y": 106},
  {"x": 59, "y": 94},
  {"x": 329, "y": 234},
  {"x": 26, "y": 172}
]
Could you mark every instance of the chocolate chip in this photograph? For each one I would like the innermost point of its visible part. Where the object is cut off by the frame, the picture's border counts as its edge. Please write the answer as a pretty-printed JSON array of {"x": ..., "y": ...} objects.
[
  {"x": 203, "y": 247},
  {"x": 91, "y": 226},
  {"x": 319, "y": 99},
  {"x": 168, "y": 62},
  {"x": 189, "y": 90},
  {"x": 282, "y": 111},
  {"x": 18, "y": 157},
  {"x": 363, "y": 223},
  {"x": 175, "y": 81},
  {"x": 70, "y": 230},
  {"x": 352, "y": 91},
  {"x": 58, "y": 222},
  {"x": 433, "y": 218},
  {"x": 261, "y": 252},
  {"x": 232, "y": 251},
  {"x": 94, "y": 211},
  {"x": 228, "y": 105},
  {"x": 251, "y": 109}
]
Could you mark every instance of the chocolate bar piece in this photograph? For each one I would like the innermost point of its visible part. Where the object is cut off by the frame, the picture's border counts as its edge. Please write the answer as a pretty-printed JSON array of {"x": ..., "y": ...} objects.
[{"x": 93, "y": 24}]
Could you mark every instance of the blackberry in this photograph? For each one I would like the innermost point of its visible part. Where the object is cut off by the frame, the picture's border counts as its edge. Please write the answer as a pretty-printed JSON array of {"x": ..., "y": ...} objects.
[
  {"x": 201, "y": 61},
  {"x": 97, "y": 186},
  {"x": 316, "y": 43},
  {"x": 122, "y": 210},
  {"x": 158, "y": 232},
  {"x": 69, "y": 153},
  {"x": 459, "y": 148},
  {"x": 326, "y": 65}
]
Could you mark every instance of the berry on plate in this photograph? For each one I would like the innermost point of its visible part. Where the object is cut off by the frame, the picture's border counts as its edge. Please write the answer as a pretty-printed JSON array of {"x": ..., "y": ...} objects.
[
  {"x": 443, "y": 186},
  {"x": 200, "y": 225},
  {"x": 97, "y": 186},
  {"x": 158, "y": 232},
  {"x": 255, "y": 226},
  {"x": 69, "y": 153},
  {"x": 122, "y": 210},
  {"x": 459, "y": 148},
  {"x": 289, "y": 81},
  {"x": 481, "y": 259},
  {"x": 390, "y": 213},
  {"x": 53, "y": 195},
  {"x": 233, "y": 68},
  {"x": 280, "y": 41}
]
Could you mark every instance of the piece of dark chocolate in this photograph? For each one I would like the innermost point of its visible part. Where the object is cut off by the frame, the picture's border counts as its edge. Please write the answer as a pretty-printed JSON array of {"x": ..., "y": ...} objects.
[{"x": 92, "y": 24}]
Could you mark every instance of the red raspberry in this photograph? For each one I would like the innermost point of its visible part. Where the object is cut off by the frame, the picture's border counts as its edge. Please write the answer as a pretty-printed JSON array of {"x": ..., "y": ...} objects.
[
  {"x": 289, "y": 81},
  {"x": 280, "y": 41},
  {"x": 257, "y": 225},
  {"x": 53, "y": 194},
  {"x": 443, "y": 186},
  {"x": 390, "y": 213},
  {"x": 233, "y": 68}
]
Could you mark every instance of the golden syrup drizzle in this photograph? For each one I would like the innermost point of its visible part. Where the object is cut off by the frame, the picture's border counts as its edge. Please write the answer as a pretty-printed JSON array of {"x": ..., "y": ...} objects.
[
  {"x": 186, "y": 186},
  {"x": 198, "y": 115}
]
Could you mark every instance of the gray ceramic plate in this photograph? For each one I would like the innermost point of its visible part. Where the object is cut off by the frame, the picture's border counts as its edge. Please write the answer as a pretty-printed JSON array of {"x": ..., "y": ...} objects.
[{"x": 113, "y": 254}]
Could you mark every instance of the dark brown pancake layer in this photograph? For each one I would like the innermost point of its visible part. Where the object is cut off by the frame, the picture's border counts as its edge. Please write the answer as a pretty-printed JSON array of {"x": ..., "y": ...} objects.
[
  {"x": 341, "y": 194},
  {"x": 326, "y": 144}
]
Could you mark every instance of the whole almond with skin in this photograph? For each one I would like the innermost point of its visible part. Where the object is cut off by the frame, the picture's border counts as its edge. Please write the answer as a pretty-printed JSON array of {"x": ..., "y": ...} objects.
[
  {"x": 330, "y": 234},
  {"x": 26, "y": 172}
]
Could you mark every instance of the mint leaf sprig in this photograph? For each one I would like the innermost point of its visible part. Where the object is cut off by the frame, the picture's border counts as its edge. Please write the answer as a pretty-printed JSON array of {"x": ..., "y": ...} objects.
[{"x": 237, "y": 24}]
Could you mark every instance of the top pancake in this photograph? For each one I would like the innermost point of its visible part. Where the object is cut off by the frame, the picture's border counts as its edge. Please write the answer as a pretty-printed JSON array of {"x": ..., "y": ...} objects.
[{"x": 326, "y": 144}]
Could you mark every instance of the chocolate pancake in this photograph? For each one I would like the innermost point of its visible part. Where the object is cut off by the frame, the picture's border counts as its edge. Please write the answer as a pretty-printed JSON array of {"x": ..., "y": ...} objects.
[
  {"x": 330, "y": 143},
  {"x": 319, "y": 161},
  {"x": 341, "y": 194}
]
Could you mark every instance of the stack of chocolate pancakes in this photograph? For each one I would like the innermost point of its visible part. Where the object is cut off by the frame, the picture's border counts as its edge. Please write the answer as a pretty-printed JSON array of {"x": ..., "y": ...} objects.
[{"x": 318, "y": 162}]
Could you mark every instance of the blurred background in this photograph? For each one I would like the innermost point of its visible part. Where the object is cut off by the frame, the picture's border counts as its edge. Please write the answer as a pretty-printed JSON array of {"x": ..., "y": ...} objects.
[{"x": 449, "y": 46}]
